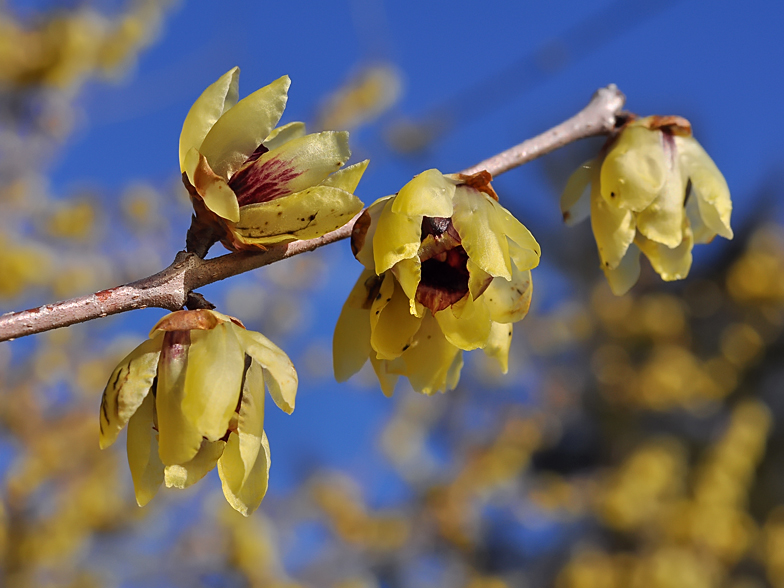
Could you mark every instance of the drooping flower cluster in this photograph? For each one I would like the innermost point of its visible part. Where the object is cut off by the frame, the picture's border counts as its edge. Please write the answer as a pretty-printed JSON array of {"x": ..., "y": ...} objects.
[
  {"x": 258, "y": 185},
  {"x": 193, "y": 397},
  {"x": 653, "y": 190},
  {"x": 447, "y": 270}
]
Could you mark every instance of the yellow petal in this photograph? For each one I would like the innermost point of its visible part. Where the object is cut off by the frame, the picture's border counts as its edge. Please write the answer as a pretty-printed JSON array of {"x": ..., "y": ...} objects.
[
  {"x": 508, "y": 300},
  {"x": 713, "y": 194},
  {"x": 208, "y": 108},
  {"x": 479, "y": 226},
  {"x": 347, "y": 178},
  {"x": 386, "y": 378},
  {"x": 284, "y": 134},
  {"x": 364, "y": 249},
  {"x": 146, "y": 466},
  {"x": 471, "y": 329},
  {"x": 178, "y": 438},
  {"x": 662, "y": 219},
  {"x": 670, "y": 264},
  {"x": 613, "y": 229},
  {"x": 238, "y": 133},
  {"x": 453, "y": 373},
  {"x": 187, "y": 474},
  {"x": 303, "y": 215},
  {"x": 247, "y": 496},
  {"x": 351, "y": 341},
  {"x": 428, "y": 194},
  {"x": 214, "y": 191},
  {"x": 391, "y": 322},
  {"x": 478, "y": 279},
  {"x": 244, "y": 465},
  {"x": 623, "y": 277},
  {"x": 292, "y": 167},
  {"x": 702, "y": 232},
  {"x": 408, "y": 273},
  {"x": 576, "y": 197},
  {"x": 429, "y": 361},
  {"x": 498, "y": 344},
  {"x": 514, "y": 229},
  {"x": 279, "y": 373},
  {"x": 397, "y": 237},
  {"x": 634, "y": 170},
  {"x": 216, "y": 362},
  {"x": 523, "y": 258},
  {"x": 127, "y": 387}
]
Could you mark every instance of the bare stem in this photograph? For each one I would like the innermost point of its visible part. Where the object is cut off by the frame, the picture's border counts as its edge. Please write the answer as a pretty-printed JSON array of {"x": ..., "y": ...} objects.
[
  {"x": 597, "y": 118},
  {"x": 171, "y": 287}
]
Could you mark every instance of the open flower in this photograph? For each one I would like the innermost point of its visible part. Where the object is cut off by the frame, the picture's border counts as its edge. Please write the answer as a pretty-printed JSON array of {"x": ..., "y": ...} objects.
[
  {"x": 257, "y": 184},
  {"x": 447, "y": 270},
  {"x": 653, "y": 190},
  {"x": 193, "y": 397}
]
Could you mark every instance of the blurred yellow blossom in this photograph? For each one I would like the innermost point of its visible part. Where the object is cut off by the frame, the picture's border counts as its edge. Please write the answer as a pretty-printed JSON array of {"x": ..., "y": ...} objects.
[
  {"x": 652, "y": 190},
  {"x": 447, "y": 269},
  {"x": 257, "y": 184},
  {"x": 193, "y": 396},
  {"x": 369, "y": 93}
]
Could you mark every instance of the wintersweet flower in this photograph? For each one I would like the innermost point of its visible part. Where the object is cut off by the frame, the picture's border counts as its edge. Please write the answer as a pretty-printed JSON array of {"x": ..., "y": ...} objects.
[
  {"x": 447, "y": 270},
  {"x": 257, "y": 184},
  {"x": 192, "y": 396},
  {"x": 653, "y": 190}
]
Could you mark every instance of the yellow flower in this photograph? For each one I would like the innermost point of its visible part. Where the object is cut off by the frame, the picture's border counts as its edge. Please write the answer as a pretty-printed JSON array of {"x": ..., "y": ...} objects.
[
  {"x": 447, "y": 269},
  {"x": 193, "y": 397},
  {"x": 655, "y": 191},
  {"x": 259, "y": 184}
]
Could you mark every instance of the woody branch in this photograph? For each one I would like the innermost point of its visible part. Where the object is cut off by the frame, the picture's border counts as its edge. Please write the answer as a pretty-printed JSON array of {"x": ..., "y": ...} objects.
[{"x": 171, "y": 288}]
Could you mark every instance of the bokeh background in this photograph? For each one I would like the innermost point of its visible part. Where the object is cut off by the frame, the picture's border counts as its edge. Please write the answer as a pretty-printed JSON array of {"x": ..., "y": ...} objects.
[{"x": 636, "y": 441}]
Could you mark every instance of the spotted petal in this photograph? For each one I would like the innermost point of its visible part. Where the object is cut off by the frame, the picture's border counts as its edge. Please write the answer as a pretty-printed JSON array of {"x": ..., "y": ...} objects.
[
  {"x": 508, "y": 301},
  {"x": 208, "y": 108},
  {"x": 127, "y": 388},
  {"x": 238, "y": 133},
  {"x": 613, "y": 229},
  {"x": 303, "y": 215},
  {"x": 392, "y": 324}
]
